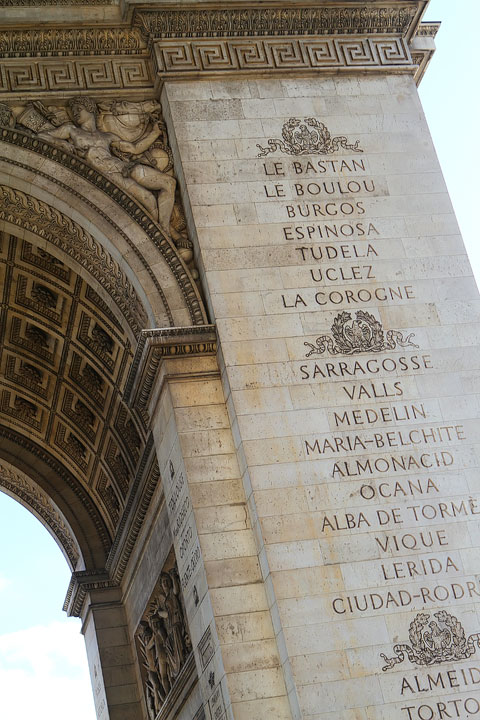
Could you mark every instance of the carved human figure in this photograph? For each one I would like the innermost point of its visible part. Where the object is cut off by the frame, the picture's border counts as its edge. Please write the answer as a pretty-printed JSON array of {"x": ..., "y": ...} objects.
[
  {"x": 171, "y": 610},
  {"x": 123, "y": 161},
  {"x": 160, "y": 639},
  {"x": 153, "y": 690}
]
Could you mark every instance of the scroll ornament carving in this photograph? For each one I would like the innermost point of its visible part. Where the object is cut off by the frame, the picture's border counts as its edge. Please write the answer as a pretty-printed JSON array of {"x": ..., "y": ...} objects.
[
  {"x": 434, "y": 641},
  {"x": 364, "y": 334},
  {"x": 164, "y": 641},
  {"x": 311, "y": 137},
  {"x": 125, "y": 141}
]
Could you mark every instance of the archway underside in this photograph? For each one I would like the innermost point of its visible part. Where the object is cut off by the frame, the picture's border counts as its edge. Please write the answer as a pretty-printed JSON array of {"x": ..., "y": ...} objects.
[{"x": 65, "y": 357}]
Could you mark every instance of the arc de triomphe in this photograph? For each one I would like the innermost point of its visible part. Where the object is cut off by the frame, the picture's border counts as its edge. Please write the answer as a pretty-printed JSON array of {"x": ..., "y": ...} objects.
[{"x": 239, "y": 370}]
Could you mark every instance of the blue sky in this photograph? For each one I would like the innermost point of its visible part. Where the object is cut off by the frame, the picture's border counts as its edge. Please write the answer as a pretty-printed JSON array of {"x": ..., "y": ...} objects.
[
  {"x": 450, "y": 97},
  {"x": 42, "y": 653},
  {"x": 42, "y": 658}
]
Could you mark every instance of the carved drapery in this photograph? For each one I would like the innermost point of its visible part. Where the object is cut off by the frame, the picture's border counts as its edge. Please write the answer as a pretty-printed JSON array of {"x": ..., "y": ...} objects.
[
  {"x": 124, "y": 141},
  {"x": 163, "y": 641}
]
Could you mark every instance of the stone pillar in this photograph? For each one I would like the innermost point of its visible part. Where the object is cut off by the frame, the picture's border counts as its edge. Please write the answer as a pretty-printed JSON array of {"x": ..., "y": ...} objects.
[
  {"x": 231, "y": 629},
  {"x": 110, "y": 656},
  {"x": 347, "y": 317}
]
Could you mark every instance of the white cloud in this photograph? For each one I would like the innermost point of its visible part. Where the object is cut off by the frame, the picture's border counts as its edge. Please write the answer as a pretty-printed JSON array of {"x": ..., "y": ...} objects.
[{"x": 44, "y": 674}]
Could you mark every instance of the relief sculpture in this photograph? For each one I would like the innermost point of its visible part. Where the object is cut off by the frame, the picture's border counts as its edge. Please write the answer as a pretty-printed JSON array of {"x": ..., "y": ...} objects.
[
  {"x": 119, "y": 139},
  {"x": 163, "y": 641},
  {"x": 125, "y": 141},
  {"x": 434, "y": 641},
  {"x": 364, "y": 334},
  {"x": 310, "y": 137}
]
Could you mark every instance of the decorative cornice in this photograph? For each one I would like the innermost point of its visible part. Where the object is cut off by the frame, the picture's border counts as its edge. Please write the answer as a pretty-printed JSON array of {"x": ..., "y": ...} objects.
[
  {"x": 40, "y": 42},
  {"x": 160, "y": 344},
  {"x": 422, "y": 48},
  {"x": 280, "y": 20},
  {"x": 428, "y": 29},
  {"x": 81, "y": 583},
  {"x": 203, "y": 39}
]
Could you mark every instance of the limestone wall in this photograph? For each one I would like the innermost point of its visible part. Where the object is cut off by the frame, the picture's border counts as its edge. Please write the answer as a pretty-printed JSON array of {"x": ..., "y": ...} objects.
[{"x": 347, "y": 316}]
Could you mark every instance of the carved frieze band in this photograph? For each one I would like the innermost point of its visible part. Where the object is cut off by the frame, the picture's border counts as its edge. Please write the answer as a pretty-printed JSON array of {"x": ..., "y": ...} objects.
[
  {"x": 180, "y": 57},
  {"x": 103, "y": 58},
  {"x": 205, "y": 40},
  {"x": 71, "y": 75},
  {"x": 248, "y": 21},
  {"x": 70, "y": 41}
]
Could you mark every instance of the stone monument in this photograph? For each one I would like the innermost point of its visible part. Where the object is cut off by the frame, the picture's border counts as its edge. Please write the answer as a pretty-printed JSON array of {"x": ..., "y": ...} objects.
[{"x": 239, "y": 371}]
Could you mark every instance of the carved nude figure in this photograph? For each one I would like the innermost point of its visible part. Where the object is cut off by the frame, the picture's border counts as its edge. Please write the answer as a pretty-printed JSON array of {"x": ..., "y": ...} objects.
[{"x": 122, "y": 161}]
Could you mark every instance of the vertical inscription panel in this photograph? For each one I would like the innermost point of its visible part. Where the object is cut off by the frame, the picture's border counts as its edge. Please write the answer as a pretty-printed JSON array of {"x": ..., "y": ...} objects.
[{"x": 348, "y": 318}]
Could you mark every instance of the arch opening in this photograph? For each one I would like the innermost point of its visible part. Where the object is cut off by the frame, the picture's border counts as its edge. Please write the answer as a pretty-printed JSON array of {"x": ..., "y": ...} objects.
[
  {"x": 42, "y": 653},
  {"x": 65, "y": 356}
]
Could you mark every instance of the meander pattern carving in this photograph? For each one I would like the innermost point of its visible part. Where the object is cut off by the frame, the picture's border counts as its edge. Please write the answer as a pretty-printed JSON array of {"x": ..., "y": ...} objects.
[
  {"x": 119, "y": 58},
  {"x": 181, "y": 56}
]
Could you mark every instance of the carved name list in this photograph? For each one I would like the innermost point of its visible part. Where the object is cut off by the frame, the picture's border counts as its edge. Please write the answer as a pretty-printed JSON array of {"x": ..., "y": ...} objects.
[{"x": 388, "y": 458}]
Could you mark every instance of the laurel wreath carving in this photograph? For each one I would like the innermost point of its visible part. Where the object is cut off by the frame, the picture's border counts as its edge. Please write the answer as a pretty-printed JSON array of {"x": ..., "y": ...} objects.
[
  {"x": 311, "y": 137},
  {"x": 364, "y": 334},
  {"x": 434, "y": 641}
]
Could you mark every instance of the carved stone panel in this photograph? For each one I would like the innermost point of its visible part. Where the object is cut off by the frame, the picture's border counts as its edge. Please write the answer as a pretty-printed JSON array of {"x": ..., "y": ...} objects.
[{"x": 162, "y": 638}]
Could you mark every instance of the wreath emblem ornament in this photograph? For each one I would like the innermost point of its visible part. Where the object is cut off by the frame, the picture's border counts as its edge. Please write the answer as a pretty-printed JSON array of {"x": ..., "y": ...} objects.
[
  {"x": 434, "y": 641},
  {"x": 310, "y": 137},
  {"x": 364, "y": 334}
]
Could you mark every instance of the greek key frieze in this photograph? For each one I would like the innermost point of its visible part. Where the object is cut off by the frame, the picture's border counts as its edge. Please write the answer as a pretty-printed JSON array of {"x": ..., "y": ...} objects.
[
  {"x": 183, "y": 56},
  {"x": 71, "y": 75}
]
